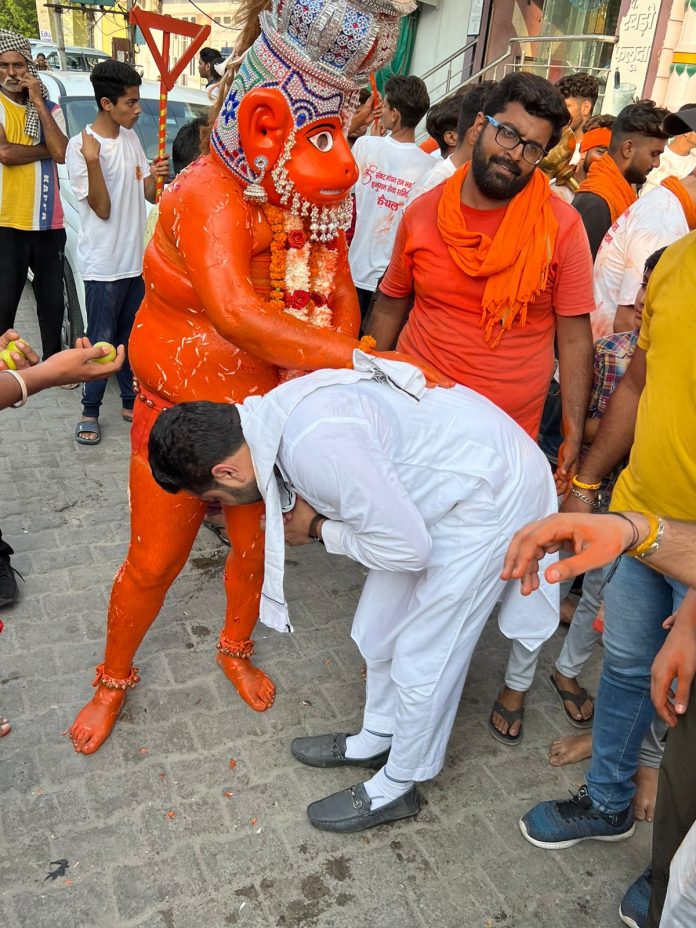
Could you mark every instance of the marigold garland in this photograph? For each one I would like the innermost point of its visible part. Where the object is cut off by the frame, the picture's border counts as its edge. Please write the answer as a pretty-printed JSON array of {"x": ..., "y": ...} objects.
[{"x": 302, "y": 273}]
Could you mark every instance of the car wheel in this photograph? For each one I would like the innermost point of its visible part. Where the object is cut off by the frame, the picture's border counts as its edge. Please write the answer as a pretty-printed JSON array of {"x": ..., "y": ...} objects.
[{"x": 73, "y": 326}]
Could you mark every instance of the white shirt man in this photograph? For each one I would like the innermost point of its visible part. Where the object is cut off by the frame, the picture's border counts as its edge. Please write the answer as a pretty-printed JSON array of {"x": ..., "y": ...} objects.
[
  {"x": 423, "y": 487},
  {"x": 441, "y": 172},
  {"x": 652, "y": 222},
  {"x": 388, "y": 171}
]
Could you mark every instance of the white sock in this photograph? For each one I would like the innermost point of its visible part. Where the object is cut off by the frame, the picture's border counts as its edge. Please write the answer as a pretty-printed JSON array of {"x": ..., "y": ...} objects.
[
  {"x": 383, "y": 789},
  {"x": 366, "y": 744}
]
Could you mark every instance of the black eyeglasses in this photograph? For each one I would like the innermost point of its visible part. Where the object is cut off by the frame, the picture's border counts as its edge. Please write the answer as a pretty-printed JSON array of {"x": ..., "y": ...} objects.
[{"x": 509, "y": 139}]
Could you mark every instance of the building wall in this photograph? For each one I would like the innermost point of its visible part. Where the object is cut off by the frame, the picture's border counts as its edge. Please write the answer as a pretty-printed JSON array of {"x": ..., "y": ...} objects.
[{"x": 441, "y": 31}]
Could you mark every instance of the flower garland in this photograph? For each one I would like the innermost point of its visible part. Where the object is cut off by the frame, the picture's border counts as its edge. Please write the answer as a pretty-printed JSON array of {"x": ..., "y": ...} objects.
[{"x": 302, "y": 272}]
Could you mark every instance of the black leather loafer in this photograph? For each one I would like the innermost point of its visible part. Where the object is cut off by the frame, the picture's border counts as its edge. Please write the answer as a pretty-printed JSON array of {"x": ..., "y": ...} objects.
[
  {"x": 330, "y": 751},
  {"x": 349, "y": 810}
]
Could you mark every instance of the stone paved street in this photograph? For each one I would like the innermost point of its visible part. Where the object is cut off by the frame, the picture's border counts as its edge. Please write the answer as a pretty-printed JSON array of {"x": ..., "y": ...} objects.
[{"x": 159, "y": 829}]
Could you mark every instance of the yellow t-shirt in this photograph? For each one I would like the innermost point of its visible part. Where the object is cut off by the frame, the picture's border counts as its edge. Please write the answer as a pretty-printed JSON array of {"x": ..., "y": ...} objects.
[
  {"x": 661, "y": 472},
  {"x": 29, "y": 194}
]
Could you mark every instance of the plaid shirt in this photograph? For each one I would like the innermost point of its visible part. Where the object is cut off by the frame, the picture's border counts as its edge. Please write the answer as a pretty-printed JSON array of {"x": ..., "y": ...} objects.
[{"x": 612, "y": 355}]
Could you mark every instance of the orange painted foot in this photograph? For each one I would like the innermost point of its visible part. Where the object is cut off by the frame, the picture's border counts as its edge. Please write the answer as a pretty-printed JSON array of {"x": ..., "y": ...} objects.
[
  {"x": 251, "y": 683},
  {"x": 94, "y": 721}
]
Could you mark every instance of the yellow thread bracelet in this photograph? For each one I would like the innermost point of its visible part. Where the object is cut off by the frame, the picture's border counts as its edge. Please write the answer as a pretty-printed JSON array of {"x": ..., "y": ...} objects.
[{"x": 586, "y": 486}]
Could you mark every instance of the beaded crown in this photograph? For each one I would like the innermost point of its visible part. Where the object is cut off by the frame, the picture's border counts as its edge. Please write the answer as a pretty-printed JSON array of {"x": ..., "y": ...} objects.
[{"x": 318, "y": 53}]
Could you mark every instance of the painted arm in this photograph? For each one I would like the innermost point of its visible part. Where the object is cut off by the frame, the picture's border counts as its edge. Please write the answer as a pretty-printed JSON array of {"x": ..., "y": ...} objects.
[
  {"x": 344, "y": 304},
  {"x": 575, "y": 364},
  {"x": 220, "y": 274}
]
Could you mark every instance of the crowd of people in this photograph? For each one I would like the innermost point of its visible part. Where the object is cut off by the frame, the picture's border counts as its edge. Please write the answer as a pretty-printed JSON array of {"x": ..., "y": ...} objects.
[{"x": 566, "y": 318}]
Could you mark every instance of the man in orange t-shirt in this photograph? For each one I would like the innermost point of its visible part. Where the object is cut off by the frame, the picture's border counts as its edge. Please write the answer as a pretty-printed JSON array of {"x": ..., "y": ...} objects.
[{"x": 498, "y": 267}]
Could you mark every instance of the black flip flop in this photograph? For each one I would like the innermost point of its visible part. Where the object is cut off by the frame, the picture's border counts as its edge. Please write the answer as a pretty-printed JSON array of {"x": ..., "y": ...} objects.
[
  {"x": 510, "y": 716},
  {"x": 577, "y": 699}
]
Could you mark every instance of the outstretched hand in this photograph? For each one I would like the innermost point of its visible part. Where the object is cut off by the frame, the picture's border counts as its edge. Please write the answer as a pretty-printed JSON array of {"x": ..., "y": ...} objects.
[
  {"x": 594, "y": 540},
  {"x": 77, "y": 365}
]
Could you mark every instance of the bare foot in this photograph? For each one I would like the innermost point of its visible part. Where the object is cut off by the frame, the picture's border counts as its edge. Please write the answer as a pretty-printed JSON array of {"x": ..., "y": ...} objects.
[
  {"x": 511, "y": 699},
  {"x": 127, "y": 415},
  {"x": 5, "y": 728},
  {"x": 570, "y": 750},
  {"x": 251, "y": 683},
  {"x": 646, "y": 793},
  {"x": 95, "y": 721},
  {"x": 571, "y": 685}
]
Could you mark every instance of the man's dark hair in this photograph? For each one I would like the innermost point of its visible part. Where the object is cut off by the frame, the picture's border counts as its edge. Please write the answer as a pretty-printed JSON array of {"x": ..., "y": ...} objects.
[
  {"x": 471, "y": 104},
  {"x": 684, "y": 106},
  {"x": 642, "y": 118},
  {"x": 537, "y": 95},
  {"x": 409, "y": 96},
  {"x": 582, "y": 86},
  {"x": 653, "y": 259},
  {"x": 600, "y": 121},
  {"x": 209, "y": 55},
  {"x": 111, "y": 79},
  {"x": 187, "y": 144},
  {"x": 188, "y": 440},
  {"x": 443, "y": 117}
]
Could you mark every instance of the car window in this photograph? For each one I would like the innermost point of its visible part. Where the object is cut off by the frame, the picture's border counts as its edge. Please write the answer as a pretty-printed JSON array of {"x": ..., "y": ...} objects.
[
  {"x": 92, "y": 60},
  {"x": 53, "y": 60},
  {"x": 74, "y": 62},
  {"x": 80, "y": 111}
]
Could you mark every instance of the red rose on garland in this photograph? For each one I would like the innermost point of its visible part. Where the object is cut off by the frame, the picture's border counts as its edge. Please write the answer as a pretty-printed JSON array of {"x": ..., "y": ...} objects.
[
  {"x": 318, "y": 299},
  {"x": 299, "y": 299},
  {"x": 296, "y": 238}
]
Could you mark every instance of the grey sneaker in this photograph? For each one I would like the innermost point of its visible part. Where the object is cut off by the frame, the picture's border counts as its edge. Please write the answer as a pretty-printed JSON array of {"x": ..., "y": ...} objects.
[
  {"x": 349, "y": 810},
  {"x": 330, "y": 751}
]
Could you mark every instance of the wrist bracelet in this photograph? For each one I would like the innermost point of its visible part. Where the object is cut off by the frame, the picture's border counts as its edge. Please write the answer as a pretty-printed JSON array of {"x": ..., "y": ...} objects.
[
  {"x": 313, "y": 530},
  {"x": 584, "y": 498},
  {"x": 585, "y": 486},
  {"x": 636, "y": 534},
  {"x": 652, "y": 540},
  {"x": 22, "y": 387}
]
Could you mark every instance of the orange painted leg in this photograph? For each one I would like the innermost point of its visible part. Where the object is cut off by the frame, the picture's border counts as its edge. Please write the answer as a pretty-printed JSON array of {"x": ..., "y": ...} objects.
[
  {"x": 243, "y": 580},
  {"x": 163, "y": 528}
]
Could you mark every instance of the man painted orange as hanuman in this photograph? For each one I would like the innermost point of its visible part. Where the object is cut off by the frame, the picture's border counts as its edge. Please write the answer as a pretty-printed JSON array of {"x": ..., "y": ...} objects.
[{"x": 247, "y": 284}]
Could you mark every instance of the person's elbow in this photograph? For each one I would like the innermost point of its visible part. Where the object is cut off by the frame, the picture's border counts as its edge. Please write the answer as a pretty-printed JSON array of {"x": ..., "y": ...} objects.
[
  {"x": 416, "y": 552},
  {"x": 5, "y": 155}
]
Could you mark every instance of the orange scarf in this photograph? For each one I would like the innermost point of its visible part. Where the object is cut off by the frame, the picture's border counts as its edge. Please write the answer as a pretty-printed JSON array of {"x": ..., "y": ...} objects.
[
  {"x": 679, "y": 190},
  {"x": 515, "y": 262},
  {"x": 606, "y": 181}
]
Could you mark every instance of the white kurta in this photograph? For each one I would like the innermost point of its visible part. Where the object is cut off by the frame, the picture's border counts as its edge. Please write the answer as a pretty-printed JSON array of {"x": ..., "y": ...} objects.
[{"x": 427, "y": 494}]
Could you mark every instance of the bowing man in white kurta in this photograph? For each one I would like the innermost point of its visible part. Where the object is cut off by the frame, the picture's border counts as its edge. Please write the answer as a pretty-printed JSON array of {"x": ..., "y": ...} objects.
[{"x": 425, "y": 487}]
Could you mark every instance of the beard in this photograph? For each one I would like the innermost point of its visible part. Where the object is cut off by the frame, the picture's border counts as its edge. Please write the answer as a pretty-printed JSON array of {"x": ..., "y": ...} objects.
[
  {"x": 492, "y": 184},
  {"x": 239, "y": 496},
  {"x": 635, "y": 176}
]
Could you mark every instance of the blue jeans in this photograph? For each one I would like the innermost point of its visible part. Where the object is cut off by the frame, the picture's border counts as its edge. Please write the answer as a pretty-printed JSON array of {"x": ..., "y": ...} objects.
[
  {"x": 111, "y": 309},
  {"x": 636, "y": 603}
]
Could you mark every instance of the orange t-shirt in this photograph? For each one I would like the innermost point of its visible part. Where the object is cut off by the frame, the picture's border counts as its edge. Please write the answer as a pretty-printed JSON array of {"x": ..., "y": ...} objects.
[{"x": 444, "y": 325}]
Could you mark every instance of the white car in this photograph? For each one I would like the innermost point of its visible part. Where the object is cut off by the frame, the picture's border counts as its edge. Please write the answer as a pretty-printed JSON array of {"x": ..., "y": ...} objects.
[
  {"x": 75, "y": 95},
  {"x": 77, "y": 58}
]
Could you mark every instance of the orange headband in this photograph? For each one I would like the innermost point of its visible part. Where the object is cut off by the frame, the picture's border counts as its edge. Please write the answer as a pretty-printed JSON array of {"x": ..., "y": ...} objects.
[{"x": 594, "y": 138}]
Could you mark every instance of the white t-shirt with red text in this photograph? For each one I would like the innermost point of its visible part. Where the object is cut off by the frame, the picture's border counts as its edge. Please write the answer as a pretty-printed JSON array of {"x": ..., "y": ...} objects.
[{"x": 388, "y": 171}]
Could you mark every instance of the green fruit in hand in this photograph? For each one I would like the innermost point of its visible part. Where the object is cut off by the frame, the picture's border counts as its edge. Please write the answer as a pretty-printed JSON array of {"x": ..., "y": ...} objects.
[
  {"x": 108, "y": 358},
  {"x": 6, "y": 356},
  {"x": 14, "y": 346}
]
